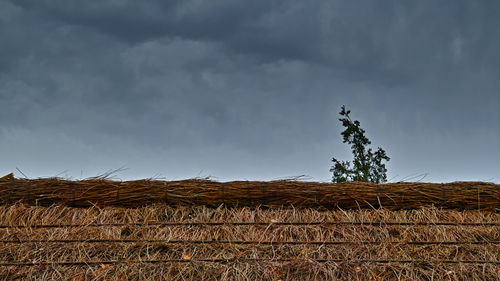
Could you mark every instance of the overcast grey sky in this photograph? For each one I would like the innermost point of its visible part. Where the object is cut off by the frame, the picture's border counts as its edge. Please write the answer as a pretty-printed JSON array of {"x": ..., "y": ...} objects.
[{"x": 248, "y": 89}]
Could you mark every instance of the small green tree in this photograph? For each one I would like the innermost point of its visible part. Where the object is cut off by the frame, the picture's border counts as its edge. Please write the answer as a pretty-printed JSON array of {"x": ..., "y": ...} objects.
[{"x": 367, "y": 166}]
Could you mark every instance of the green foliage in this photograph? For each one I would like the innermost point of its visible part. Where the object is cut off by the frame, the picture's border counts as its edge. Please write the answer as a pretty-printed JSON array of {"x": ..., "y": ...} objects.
[{"x": 367, "y": 165}]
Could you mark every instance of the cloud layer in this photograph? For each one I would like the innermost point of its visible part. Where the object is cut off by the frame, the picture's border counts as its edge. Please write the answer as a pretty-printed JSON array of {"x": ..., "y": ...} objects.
[{"x": 248, "y": 91}]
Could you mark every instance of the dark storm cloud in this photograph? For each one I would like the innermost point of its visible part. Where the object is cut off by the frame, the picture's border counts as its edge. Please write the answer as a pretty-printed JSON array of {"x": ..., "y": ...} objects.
[
  {"x": 259, "y": 83},
  {"x": 373, "y": 36}
]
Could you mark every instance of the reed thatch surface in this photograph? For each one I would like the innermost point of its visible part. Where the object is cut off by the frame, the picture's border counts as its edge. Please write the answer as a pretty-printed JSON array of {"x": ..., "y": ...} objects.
[
  {"x": 120, "y": 244},
  {"x": 393, "y": 196}
]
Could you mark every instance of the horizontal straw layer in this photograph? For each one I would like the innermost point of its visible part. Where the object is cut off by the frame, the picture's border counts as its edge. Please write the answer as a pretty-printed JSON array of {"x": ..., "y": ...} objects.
[
  {"x": 244, "y": 242},
  {"x": 246, "y": 260},
  {"x": 349, "y": 195},
  {"x": 235, "y": 224},
  {"x": 158, "y": 242}
]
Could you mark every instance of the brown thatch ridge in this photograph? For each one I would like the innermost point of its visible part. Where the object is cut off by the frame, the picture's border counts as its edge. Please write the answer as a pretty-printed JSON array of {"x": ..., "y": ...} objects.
[{"x": 393, "y": 196}]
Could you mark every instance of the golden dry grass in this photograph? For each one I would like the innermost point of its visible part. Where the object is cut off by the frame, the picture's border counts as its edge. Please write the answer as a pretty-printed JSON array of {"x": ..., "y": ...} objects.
[{"x": 302, "y": 261}]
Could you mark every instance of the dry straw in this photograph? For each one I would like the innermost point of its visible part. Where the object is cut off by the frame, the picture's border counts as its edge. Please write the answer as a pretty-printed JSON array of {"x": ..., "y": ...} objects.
[
  {"x": 455, "y": 250},
  {"x": 105, "y": 192}
]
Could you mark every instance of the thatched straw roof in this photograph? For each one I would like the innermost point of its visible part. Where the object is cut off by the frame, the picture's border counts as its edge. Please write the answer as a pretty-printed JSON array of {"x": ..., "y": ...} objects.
[
  {"x": 104, "y": 192},
  {"x": 155, "y": 242}
]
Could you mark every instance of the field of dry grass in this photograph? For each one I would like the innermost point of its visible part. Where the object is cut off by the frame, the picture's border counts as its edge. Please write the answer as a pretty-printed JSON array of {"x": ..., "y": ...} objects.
[{"x": 158, "y": 242}]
